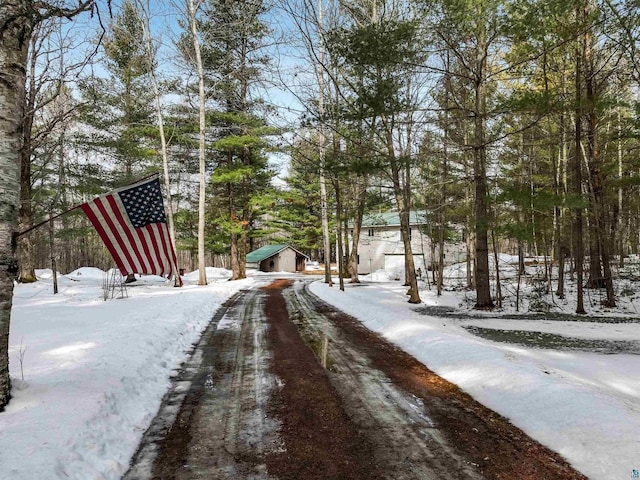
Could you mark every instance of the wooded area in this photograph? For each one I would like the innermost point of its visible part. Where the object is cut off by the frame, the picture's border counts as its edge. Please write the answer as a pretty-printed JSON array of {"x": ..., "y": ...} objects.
[{"x": 514, "y": 121}]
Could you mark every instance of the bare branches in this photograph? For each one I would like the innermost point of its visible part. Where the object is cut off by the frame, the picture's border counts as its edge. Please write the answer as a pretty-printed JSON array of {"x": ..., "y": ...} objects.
[
  {"x": 44, "y": 10},
  {"x": 14, "y": 11}
]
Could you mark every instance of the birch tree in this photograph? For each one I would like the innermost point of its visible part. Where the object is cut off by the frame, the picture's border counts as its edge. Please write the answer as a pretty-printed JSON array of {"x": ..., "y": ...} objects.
[
  {"x": 18, "y": 18},
  {"x": 197, "y": 56},
  {"x": 322, "y": 143},
  {"x": 145, "y": 11}
]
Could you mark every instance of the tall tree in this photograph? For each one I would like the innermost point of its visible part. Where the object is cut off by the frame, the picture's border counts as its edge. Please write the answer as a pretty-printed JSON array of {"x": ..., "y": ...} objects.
[
  {"x": 145, "y": 12},
  {"x": 595, "y": 79},
  {"x": 197, "y": 59},
  {"x": 471, "y": 31},
  {"x": 381, "y": 56},
  {"x": 18, "y": 18},
  {"x": 234, "y": 36},
  {"x": 322, "y": 142}
]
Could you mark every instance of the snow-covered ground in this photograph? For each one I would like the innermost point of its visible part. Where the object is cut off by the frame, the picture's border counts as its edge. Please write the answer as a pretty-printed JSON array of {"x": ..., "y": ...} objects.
[
  {"x": 586, "y": 406},
  {"x": 95, "y": 371}
]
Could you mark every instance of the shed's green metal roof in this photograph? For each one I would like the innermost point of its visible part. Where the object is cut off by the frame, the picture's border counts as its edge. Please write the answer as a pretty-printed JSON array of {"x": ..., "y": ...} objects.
[
  {"x": 264, "y": 252},
  {"x": 392, "y": 219}
]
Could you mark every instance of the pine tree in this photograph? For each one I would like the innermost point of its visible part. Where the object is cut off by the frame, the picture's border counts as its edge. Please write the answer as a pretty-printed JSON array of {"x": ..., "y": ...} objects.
[
  {"x": 119, "y": 107},
  {"x": 379, "y": 59},
  {"x": 233, "y": 44},
  {"x": 298, "y": 213}
]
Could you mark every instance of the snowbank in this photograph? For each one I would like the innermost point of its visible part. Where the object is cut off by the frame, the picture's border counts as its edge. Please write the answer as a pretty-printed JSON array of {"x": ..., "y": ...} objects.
[{"x": 95, "y": 371}]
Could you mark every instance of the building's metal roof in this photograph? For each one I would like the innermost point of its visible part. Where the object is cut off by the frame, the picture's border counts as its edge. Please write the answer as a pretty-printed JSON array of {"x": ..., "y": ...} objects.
[
  {"x": 392, "y": 219},
  {"x": 268, "y": 251}
]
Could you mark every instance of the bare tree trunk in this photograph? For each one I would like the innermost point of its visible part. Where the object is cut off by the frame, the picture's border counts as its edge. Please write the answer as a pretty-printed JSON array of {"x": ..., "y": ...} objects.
[
  {"x": 191, "y": 12},
  {"x": 360, "y": 200},
  {"x": 561, "y": 249},
  {"x": 145, "y": 9},
  {"x": 246, "y": 160},
  {"x": 14, "y": 43},
  {"x": 234, "y": 238},
  {"x": 443, "y": 180},
  {"x": 595, "y": 163},
  {"x": 345, "y": 241},
  {"x": 578, "y": 250},
  {"x": 27, "y": 272},
  {"x": 595, "y": 279},
  {"x": 497, "y": 259},
  {"x": 432, "y": 265},
  {"x": 62, "y": 182},
  {"x": 483, "y": 290},
  {"x": 402, "y": 200},
  {"x": 469, "y": 223},
  {"x": 339, "y": 253},
  {"x": 326, "y": 239},
  {"x": 621, "y": 223}
]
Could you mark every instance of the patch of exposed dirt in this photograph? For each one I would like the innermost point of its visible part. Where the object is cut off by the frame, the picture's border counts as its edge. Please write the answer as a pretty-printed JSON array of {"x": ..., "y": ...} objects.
[{"x": 320, "y": 440}]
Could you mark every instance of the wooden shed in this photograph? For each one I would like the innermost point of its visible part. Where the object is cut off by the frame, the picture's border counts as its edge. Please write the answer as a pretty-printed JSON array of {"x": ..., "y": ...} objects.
[{"x": 277, "y": 258}]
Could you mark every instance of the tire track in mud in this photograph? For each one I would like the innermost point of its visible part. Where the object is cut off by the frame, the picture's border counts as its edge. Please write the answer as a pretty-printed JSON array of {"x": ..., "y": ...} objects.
[
  {"x": 321, "y": 442},
  {"x": 406, "y": 442},
  {"x": 221, "y": 430}
]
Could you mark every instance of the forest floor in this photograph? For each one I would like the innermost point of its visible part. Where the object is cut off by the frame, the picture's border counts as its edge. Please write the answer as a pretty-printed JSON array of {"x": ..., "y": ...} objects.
[{"x": 284, "y": 386}]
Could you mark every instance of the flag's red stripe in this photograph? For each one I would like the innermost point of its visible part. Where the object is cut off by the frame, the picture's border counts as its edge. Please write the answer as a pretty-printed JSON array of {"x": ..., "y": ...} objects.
[
  {"x": 154, "y": 242},
  {"x": 122, "y": 243},
  {"x": 155, "y": 266},
  {"x": 86, "y": 208},
  {"x": 151, "y": 243},
  {"x": 163, "y": 231},
  {"x": 143, "y": 258}
]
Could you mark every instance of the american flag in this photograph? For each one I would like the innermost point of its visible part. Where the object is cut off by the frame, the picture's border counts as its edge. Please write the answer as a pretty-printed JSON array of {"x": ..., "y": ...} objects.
[{"x": 132, "y": 224}]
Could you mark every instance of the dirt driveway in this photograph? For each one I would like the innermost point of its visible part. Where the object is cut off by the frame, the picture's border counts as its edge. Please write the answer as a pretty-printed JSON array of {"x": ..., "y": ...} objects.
[{"x": 282, "y": 386}]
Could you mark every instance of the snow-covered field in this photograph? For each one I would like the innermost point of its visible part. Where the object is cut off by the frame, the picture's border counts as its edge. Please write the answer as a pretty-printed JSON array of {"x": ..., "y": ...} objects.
[{"x": 95, "y": 371}]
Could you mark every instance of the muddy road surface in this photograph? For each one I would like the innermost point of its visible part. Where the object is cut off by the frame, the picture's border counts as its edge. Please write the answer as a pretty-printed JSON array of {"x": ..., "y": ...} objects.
[{"x": 282, "y": 386}]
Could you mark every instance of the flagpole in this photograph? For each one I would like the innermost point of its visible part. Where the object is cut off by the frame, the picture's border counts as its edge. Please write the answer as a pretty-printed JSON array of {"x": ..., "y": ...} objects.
[
  {"x": 19, "y": 234},
  {"x": 50, "y": 219}
]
